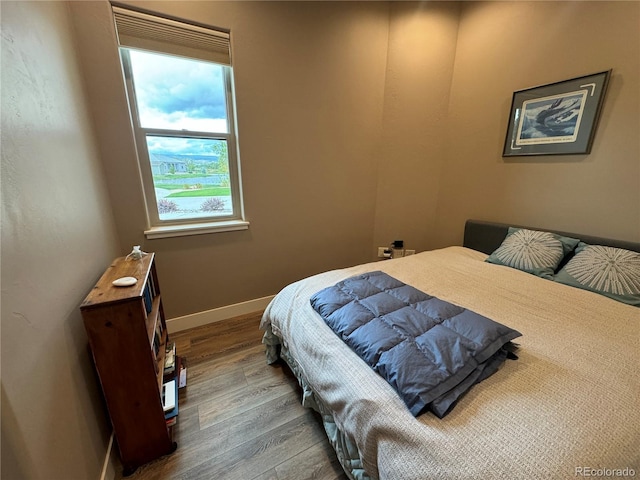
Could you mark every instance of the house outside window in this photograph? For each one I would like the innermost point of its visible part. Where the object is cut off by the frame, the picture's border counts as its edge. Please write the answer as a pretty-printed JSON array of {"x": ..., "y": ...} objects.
[{"x": 179, "y": 86}]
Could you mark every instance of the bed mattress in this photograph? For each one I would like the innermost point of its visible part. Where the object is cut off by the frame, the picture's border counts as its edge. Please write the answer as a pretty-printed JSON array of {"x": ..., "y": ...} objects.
[{"x": 569, "y": 403}]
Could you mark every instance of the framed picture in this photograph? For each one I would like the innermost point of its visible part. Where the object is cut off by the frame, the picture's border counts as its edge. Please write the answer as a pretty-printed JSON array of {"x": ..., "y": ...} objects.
[{"x": 556, "y": 119}]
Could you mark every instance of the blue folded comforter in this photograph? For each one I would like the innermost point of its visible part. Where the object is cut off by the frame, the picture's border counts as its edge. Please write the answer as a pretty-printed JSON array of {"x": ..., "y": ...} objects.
[{"x": 429, "y": 350}]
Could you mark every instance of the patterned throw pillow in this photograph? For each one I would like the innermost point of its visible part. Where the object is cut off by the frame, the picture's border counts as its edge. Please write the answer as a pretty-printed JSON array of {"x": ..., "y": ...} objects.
[
  {"x": 532, "y": 251},
  {"x": 613, "y": 272}
]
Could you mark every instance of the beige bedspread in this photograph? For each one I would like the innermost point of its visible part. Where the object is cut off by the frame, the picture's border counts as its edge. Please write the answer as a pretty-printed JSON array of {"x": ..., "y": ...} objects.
[{"x": 568, "y": 405}]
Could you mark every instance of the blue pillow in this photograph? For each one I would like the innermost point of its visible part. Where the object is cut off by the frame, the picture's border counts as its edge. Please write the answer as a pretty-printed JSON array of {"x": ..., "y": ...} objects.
[
  {"x": 609, "y": 271},
  {"x": 533, "y": 251}
]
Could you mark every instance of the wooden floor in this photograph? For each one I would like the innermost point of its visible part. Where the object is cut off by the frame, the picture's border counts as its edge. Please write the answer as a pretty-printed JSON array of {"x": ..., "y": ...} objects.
[{"x": 239, "y": 417}]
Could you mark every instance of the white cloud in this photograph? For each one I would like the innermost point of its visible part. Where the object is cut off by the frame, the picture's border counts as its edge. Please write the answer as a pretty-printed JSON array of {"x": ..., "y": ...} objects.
[
  {"x": 179, "y": 93},
  {"x": 181, "y": 145}
]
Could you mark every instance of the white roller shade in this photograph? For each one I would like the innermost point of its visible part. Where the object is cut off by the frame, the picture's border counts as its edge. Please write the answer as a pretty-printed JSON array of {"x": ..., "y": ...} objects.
[{"x": 148, "y": 32}]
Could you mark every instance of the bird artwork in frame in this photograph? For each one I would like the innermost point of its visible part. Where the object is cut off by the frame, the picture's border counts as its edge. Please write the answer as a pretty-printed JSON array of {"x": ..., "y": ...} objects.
[{"x": 556, "y": 119}]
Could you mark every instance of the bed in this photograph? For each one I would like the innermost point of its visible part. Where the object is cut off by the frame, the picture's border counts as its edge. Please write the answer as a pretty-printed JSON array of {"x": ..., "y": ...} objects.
[{"x": 568, "y": 406}]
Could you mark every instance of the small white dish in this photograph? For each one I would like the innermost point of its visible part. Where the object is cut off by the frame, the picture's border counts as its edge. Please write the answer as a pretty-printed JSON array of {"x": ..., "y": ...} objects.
[{"x": 125, "y": 281}]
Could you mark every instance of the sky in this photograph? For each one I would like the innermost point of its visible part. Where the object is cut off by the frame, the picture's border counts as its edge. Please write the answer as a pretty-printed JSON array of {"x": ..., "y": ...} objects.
[{"x": 179, "y": 94}]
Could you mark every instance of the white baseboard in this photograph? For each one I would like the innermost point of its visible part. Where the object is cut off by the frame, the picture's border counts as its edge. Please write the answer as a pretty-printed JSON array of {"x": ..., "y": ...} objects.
[
  {"x": 108, "y": 470},
  {"x": 217, "y": 314}
]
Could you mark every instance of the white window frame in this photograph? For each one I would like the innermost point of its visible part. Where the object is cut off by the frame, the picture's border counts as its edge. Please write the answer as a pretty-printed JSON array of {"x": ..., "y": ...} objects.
[{"x": 158, "y": 228}]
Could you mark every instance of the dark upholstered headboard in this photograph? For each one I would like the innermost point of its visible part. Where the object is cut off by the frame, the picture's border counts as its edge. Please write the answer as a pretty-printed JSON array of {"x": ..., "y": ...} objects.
[{"x": 487, "y": 236}]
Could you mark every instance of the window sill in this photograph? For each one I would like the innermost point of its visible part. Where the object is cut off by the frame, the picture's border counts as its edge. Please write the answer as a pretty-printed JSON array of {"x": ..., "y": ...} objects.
[{"x": 195, "y": 229}]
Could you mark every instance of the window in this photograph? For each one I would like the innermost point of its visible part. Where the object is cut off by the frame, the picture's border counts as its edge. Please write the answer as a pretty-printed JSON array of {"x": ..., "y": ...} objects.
[{"x": 179, "y": 85}]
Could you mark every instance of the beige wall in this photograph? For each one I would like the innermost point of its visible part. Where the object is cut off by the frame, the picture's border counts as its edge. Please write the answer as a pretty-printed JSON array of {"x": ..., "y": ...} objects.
[
  {"x": 57, "y": 237},
  {"x": 310, "y": 85},
  {"x": 508, "y": 46},
  {"x": 421, "y": 52},
  {"x": 349, "y": 112},
  {"x": 359, "y": 124}
]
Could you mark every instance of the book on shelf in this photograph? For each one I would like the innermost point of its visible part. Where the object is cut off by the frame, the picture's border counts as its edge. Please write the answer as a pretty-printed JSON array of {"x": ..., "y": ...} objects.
[
  {"x": 148, "y": 299},
  {"x": 174, "y": 411},
  {"x": 158, "y": 332},
  {"x": 170, "y": 358},
  {"x": 172, "y": 373},
  {"x": 179, "y": 373},
  {"x": 169, "y": 395},
  {"x": 152, "y": 286},
  {"x": 182, "y": 372},
  {"x": 157, "y": 342},
  {"x": 159, "y": 326}
]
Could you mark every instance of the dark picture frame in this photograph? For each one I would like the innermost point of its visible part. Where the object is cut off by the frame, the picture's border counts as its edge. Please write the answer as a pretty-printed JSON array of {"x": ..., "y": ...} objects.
[{"x": 556, "y": 119}]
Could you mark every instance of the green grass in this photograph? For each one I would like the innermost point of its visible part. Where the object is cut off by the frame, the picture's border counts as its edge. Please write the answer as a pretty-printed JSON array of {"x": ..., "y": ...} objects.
[
  {"x": 203, "y": 192},
  {"x": 168, "y": 186}
]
